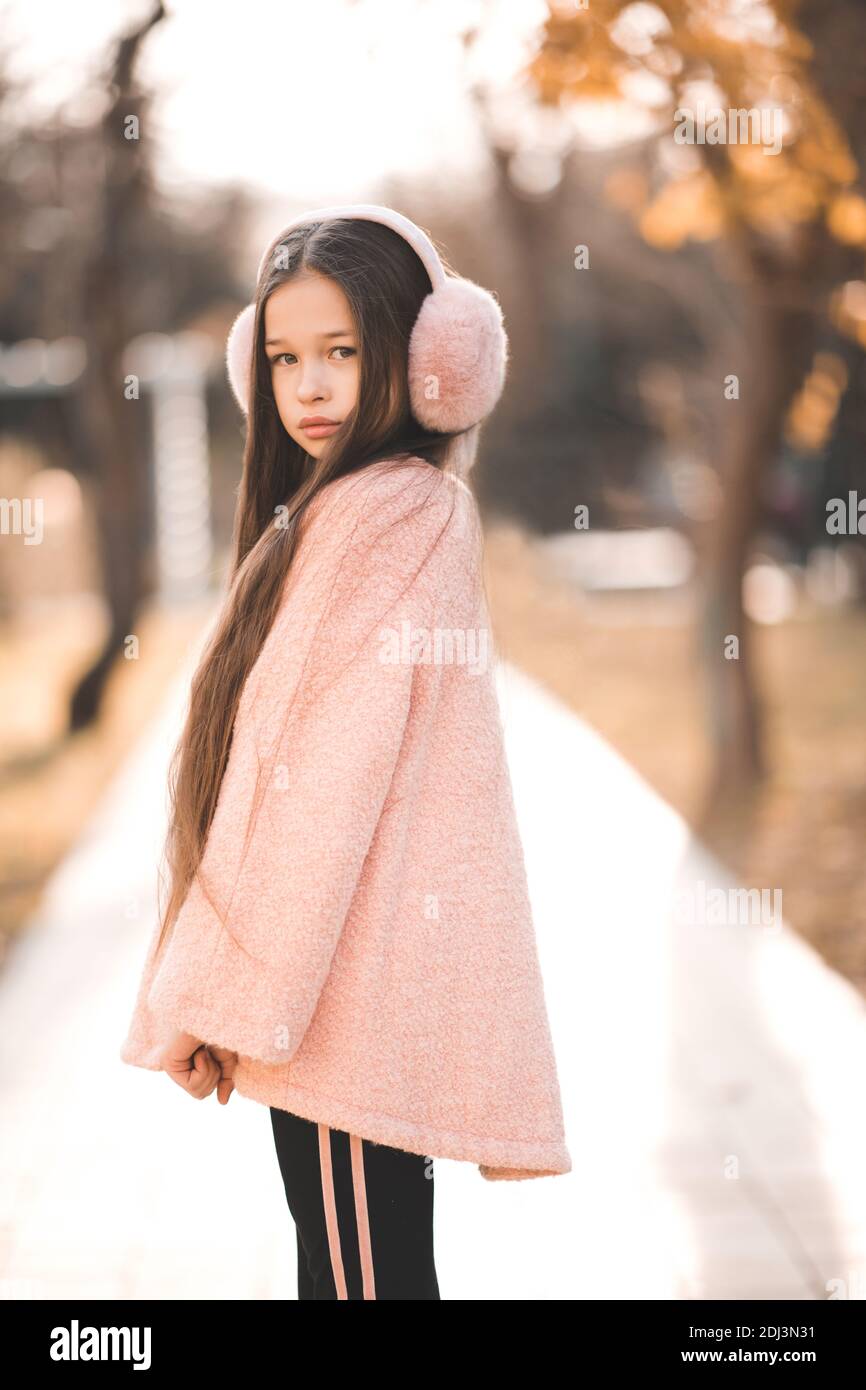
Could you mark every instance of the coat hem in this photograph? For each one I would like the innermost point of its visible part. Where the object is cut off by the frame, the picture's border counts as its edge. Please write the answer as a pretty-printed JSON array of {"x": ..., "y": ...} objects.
[{"x": 497, "y": 1159}]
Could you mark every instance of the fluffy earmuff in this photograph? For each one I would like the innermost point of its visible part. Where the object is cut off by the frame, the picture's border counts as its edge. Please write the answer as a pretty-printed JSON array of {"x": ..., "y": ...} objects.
[
  {"x": 458, "y": 349},
  {"x": 457, "y": 356},
  {"x": 239, "y": 355}
]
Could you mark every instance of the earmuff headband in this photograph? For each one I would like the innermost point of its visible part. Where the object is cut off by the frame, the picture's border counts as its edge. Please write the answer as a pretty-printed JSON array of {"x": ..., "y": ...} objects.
[{"x": 371, "y": 212}]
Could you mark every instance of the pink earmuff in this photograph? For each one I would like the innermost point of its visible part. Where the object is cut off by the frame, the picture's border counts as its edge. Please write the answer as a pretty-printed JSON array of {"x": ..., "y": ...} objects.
[{"x": 458, "y": 349}]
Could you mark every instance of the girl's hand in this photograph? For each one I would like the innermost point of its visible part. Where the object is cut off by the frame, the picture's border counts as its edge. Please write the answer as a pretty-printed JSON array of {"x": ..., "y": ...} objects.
[
  {"x": 227, "y": 1062},
  {"x": 188, "y": 1061}
]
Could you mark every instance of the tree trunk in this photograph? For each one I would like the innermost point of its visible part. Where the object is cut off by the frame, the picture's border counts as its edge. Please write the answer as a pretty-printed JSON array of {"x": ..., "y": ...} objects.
[
  {"x": 112, "y": 425},
  {"x": 768, "y": 352}
]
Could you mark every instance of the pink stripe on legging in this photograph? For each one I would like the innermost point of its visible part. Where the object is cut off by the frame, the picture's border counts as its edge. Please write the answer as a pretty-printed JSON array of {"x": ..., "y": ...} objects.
[
  {"x": 331, "y": 1210},
  {"x": 362, "y": 1215}
]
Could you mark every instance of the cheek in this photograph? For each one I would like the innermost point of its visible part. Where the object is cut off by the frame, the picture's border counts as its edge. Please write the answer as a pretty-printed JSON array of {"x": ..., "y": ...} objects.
[
  {"x": 353, "y": 382},
  {"x": 280, "y": 386},
  {"x": 281, "y": 396}
]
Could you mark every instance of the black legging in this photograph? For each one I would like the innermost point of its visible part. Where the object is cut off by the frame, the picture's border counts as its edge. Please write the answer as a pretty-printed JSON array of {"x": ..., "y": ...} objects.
[{"x": 363, "y": 1213}]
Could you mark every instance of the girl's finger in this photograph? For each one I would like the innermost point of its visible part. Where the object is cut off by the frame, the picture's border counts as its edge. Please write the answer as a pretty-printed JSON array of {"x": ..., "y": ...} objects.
[
  {"x": 205, "y": 1075},
  {"x": 224, "y": 1090}
]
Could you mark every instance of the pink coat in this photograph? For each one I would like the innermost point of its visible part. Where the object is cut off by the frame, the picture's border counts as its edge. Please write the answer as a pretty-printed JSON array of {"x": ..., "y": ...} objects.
[{"x": 378, "y": 969}]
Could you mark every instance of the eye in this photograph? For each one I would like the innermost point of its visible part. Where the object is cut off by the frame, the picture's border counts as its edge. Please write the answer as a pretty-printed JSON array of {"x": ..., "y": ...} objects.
[{"x": 353, "y": 352}]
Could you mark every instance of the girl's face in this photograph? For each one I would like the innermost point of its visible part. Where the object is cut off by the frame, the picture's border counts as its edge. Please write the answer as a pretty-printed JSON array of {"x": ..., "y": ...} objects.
[{"x": 312, "y": 347}]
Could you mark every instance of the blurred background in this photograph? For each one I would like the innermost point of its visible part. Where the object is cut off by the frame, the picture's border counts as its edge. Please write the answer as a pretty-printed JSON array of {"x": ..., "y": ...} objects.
[{"x": 668, "y": 200}]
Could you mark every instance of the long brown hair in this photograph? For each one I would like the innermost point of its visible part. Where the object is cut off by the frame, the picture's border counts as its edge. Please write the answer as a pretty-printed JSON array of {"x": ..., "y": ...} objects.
[{"x": 385, "y": 284}]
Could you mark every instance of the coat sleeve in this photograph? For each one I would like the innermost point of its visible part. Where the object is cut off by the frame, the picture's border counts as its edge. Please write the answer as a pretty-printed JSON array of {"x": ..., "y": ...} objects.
[{"x": 336, "y": 707}]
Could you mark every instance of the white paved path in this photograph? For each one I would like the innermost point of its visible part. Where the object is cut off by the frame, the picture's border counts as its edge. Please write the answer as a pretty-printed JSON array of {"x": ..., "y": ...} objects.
[{"x": 712, "y": 1077}]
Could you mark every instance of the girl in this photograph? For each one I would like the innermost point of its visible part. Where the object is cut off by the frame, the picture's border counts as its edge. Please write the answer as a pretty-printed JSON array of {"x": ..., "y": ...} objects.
[{"x": 348, "y": 938}]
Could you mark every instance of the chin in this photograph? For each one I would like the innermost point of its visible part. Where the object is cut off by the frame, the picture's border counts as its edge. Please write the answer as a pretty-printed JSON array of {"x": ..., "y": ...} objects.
[
  {"x": 314, "y": 447},
  {"x": 310, "y": 446}
]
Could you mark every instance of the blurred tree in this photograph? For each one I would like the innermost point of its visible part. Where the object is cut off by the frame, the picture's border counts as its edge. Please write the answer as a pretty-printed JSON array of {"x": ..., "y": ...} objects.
[
  {"x": 783, "y": 229},
  {"x": 94, "y": 249}
]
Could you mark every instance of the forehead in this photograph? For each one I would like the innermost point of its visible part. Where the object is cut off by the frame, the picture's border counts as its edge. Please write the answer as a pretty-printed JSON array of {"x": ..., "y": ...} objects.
[{"x": 309, "y": 305}]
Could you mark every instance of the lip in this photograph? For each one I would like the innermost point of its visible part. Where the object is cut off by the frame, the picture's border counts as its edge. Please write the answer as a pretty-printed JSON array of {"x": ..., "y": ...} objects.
[{"x": 317, "y": 426}]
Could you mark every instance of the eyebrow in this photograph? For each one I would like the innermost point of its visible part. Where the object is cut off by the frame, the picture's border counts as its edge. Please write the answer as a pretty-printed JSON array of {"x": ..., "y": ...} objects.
[{"x": 332, "y": 333}]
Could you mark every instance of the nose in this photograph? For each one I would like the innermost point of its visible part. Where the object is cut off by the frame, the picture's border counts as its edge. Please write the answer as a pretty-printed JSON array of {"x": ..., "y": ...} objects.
[{"x": 311, "y": 384}]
